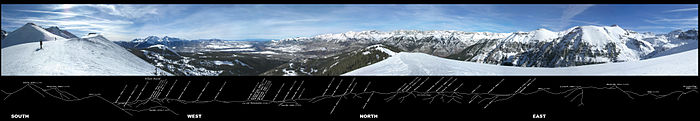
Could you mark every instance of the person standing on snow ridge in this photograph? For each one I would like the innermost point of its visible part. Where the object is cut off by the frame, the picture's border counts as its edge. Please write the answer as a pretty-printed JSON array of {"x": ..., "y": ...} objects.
[{"x": 41, "y": 44}]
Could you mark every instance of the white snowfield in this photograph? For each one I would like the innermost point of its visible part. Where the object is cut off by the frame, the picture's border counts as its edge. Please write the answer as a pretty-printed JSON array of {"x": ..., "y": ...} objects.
[
  {"x": 89, "y": 55},
  {"x": 419, "y": 64}
]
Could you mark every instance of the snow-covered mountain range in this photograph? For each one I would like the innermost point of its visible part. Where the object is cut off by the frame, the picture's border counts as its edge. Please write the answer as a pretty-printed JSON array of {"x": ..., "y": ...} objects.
[
  {"x": 576, "y": 46},
  {"x": 580, "y": 45},
  {"x": 87, "y": 55},
  {"x": 153, "y": 40}
]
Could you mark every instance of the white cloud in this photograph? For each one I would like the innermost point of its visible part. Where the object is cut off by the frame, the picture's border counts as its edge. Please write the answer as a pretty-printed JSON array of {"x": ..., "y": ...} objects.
[
  {"x": 51, "y": 12},
  {"x": 586, "y": 22},
  {"x": 681, "y": 10},
  {"x": 286, "y": 21},
  {"x": 573, "y": 10},
  {"x": 65, "y": 6},
  {"x": 135, "y": 11},
  {"x": 70, "y": 15},
  {"x": 569, "y": 13},
  {"x": 661, "y": 29},
  {"x": 688, "y": 21},
  {"x": 675, "y": 20},
  {"x": 127, "y": 11},
  {"x": 78, "y": 19}
]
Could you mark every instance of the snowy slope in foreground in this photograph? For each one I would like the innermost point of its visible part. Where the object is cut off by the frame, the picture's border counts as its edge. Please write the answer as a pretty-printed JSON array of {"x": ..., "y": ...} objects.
[
  {"x": 91, "y": 55},
  {"x": 684, "y": 63}
]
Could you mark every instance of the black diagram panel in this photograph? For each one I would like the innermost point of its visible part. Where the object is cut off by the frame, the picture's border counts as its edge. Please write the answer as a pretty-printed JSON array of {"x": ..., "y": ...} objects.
[{"x": 337, "y": 98}]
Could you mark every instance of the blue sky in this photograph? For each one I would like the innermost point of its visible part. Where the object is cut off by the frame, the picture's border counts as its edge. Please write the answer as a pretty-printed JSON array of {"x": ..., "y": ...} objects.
[{"x": 123, "y": 22}]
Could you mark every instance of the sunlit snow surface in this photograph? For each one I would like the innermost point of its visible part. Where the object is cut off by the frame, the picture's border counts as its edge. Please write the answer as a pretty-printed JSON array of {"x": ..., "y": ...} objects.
[
  {"x": 419, "y": 64},
  {"x": 28, "y": 33},
  {"x": 90, "y": 55}
]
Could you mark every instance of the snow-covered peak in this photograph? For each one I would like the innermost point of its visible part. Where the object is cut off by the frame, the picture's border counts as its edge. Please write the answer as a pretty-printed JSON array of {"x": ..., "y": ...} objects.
[
  {"x": 153, "y": 38},
  {"x": 149, "y": 39},
  {"x": 543, "y": 34},
  {"x": 170, "y": 39},
  {"x": 89, "y": 55},
  {"x": 675, "y": 33},
  {"x": 28, "y": 33},
  {"x": 156, "y": 39},
  {"x": 599, "y": 36},
  {"x": 539, "y": 35},
  {"x": 615, "y": 30}
]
